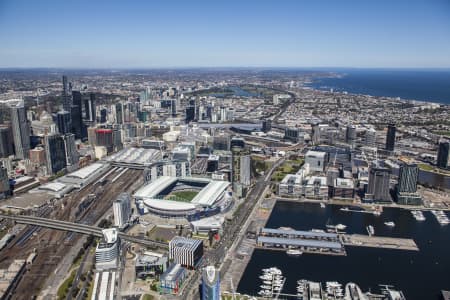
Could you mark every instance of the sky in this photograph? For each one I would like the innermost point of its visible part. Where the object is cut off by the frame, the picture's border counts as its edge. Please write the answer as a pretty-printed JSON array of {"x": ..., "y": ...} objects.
[{"x": 216, "y": 33}]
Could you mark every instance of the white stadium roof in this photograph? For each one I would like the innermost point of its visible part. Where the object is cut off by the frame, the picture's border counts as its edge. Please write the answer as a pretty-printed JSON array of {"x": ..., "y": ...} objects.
[
  {"x": 209, "y": 194},
  {"x": 169, "y": 204},
  {"x": 155, "y": 187}
]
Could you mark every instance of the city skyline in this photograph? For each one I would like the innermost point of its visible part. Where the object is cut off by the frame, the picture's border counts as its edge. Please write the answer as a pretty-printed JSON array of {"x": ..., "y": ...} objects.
[{"x": 404, "y": 34}]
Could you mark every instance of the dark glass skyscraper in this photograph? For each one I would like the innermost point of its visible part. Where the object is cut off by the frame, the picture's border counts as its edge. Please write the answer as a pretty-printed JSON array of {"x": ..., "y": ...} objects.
[
  {"x": 443, "y": 154},
  {"x": 407, "y": 185},
  {"x": 66, "y": 94},
  {"x": 6, "y": 141},
  {"x": 76, "y": 116},
  {"x": 55, "y": 153},
  {"x": 63, "y": 122},
  {"x": 390, "y": 137},
  {"x": 20, "y": 130},
  {"x": 190, "y": 114},
  {"x": 119, "y": 113},
  {"x": 378, "y": 188}
]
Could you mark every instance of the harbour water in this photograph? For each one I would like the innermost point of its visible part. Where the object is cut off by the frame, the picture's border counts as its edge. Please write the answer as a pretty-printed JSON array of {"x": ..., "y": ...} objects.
[
  {"x": 424, "y": 85},
  {"x": 420, "y": 275}
]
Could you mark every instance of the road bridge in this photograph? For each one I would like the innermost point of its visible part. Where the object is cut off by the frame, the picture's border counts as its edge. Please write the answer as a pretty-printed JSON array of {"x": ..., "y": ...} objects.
[{"x": 78, "y": 228}]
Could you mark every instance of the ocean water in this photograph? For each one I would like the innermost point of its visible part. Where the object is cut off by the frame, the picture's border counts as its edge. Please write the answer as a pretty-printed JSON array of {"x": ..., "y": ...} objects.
[
  {"x": 423, "y": 85},
  {"x": 420, "y": 275}
]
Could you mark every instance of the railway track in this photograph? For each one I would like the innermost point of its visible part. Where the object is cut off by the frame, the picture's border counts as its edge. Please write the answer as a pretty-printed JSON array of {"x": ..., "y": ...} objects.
[{"x": 52, "y": 245}]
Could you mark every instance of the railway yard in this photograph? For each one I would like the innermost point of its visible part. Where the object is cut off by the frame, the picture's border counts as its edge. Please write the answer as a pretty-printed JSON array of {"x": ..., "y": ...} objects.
[{"x": 52, "y": 246}]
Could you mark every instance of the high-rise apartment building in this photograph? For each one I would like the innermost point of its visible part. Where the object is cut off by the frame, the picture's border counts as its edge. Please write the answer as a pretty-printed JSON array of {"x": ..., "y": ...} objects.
[
  {"x": 443, "y": 157},
  {"x": 378, "y": 187},
  {"x": 390, "y": 137},
  {"x": 407, "y": 185},
  {"x": 122, "y": 210},
  {"x": 55, "y": 153}
]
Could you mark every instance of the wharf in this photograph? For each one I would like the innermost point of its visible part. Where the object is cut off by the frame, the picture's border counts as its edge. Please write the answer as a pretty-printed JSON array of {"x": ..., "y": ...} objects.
[
  {"x": 379, "y": 242},
  {"x": 241, "y": 251}
]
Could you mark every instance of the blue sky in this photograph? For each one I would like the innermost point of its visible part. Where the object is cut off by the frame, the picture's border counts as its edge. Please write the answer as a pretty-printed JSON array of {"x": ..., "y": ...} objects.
[{"x": 302, "y": 33}]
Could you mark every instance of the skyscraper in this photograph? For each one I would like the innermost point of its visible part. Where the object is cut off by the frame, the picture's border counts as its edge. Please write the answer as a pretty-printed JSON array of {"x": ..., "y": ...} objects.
[
  {"x": 407, "y": 185},
  {"x": 443, "y": 156},
  {"x": 76, "y": 116},
  {"x": 190, "y": 114},
  {"x": 122, "y": 210},
  {"x": 66, "y": 94},
  {"x": 210, "y": 283},
  {"x": 55, "y": 153},
  {"x": 119, "y": 113},
  {"x": 70, "y": 149},
  {"x": 63, "y": 122},
  {"x": 390, "y": 137},
  {"x": 350, "y": 135},
  {"x": 20, "y": 130},
  {"x": 89, "y": 108},
  {"x": 6, "y": 141},
  {"x": 378, "y": 188}
]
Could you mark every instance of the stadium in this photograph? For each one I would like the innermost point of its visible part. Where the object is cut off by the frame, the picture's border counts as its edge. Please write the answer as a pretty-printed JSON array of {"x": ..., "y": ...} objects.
[{"x": 183, "y": 197}]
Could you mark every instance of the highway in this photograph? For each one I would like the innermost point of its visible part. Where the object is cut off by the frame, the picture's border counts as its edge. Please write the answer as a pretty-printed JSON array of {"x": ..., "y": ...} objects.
[{"x": 78, "y": 228}]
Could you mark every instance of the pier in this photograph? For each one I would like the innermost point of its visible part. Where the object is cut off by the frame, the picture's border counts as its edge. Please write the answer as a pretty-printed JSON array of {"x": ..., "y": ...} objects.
[
  {"x": 306, "y": 241},
  {"x": 379, "y": 242}
]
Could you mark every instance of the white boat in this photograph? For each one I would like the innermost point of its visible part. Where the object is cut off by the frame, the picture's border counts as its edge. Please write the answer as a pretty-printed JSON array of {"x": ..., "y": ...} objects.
[
  {"x": 322, "y": 205},
  {"x": 370, "y": 230},
  {"x": 418, "y": 215},
  {"x": 294, "y": 252},
  {"x": 390, "y": 224},
  {"x": 376, "y": 213},
  {"x": 341, "y": 226},
  {"x": 265, "y": 287}
]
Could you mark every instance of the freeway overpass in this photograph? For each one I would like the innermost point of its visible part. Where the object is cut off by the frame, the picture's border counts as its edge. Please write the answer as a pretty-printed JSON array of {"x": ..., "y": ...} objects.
[{"x": 78, "y": 228}]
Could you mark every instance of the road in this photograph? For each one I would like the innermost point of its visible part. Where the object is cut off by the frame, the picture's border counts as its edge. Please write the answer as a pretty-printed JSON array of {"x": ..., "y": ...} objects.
[{"x": 232, "y": 230}]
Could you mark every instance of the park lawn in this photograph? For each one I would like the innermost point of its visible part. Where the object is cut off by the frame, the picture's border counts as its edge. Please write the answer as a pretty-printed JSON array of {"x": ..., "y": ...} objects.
[
  {"x": 425, "y": 167},
  {"x": 65, "y": 285}
]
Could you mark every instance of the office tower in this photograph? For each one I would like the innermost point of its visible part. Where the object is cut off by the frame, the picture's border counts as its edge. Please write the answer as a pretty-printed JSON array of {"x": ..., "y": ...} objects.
[
  {"x": 221, "y": 142},
  {"x": 89, "y": 108},
  {"x": 117, "y": 139},
  {"x": 104, "y": 137},
  {"x": 185, "y": 251},
  {"x": 4, "y": 183},
  {"x": 350, "y": 134},
  {"x": 407, "y": 185},
  {"x": 223, "y": 114},
  {"x": 20, "y": 130},
  {"x": 66, "y": 95},
  {"x": 370, "y": 138},
  {"x": 6, "y": 141},
  {"x": 55, "y": 153},
  {"x": 245, "y": 167},
  {"x": 103, "y": 113},
  {"x": 63, "y": 122},
  {"x": 190, "y": 114},
  {"x": 316, "y": 160},
  {"x": 237, "y": 142},
  {"x": 378, "y": 188},
  {"x": 173, "y": 107},
  {"x": 70, "y": 149},
  {"x": 122, "y": 210},
  {"x": 119, "y": 113},
  {"x": 210, "y": 283},
  {"x": 92, "y": 136},
  {"x": 77, "y": 116},
  {"x": 390, "y": 137},
  {"x": 443, "y": 156},
  {"x": 267, "y": 125}
]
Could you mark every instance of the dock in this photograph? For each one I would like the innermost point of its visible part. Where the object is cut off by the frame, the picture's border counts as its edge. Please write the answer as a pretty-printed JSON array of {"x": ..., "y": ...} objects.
[{"x": 379, "y": 242}]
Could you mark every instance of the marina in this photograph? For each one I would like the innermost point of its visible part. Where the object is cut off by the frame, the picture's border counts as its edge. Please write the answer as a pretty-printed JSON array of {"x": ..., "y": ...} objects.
[{"x": 392, "y": 255}]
